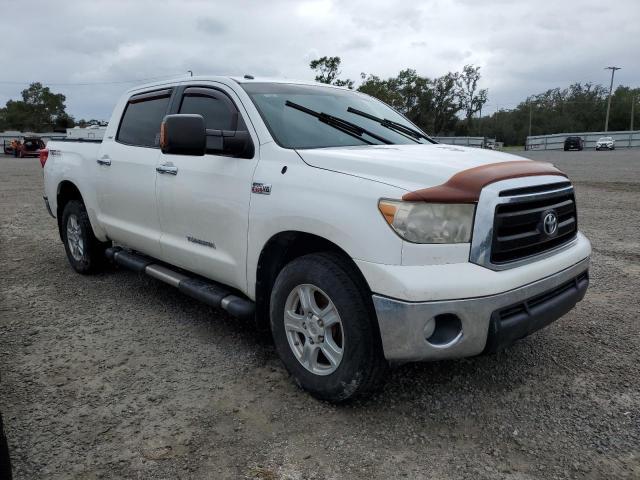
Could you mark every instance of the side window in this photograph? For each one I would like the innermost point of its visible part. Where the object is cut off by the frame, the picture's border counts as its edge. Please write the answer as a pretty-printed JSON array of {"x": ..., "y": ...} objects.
[
  {"x": 216, "y": 112},
  {"x": 142, "y": 117}
]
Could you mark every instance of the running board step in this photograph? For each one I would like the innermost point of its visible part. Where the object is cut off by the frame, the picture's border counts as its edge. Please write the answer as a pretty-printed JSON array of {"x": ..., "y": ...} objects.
[{"x": 207, "y": 292}]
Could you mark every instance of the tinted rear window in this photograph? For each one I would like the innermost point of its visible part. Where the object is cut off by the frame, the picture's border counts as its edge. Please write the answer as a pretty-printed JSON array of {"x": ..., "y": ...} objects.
[{"x": 141, "y": 122}]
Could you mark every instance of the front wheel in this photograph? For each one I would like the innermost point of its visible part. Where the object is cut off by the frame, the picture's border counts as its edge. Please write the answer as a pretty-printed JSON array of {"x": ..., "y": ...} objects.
[
  {"x": 84, "y": 251},
  {"x": 324, "y": 330}
]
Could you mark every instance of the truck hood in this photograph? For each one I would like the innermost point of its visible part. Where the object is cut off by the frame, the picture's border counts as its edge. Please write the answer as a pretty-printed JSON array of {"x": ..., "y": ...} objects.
[{"x": 410, "y": 167}]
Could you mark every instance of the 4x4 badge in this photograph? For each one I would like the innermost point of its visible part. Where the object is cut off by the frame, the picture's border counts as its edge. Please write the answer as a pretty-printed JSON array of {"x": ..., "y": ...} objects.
[{"x": 261, "y": 188}]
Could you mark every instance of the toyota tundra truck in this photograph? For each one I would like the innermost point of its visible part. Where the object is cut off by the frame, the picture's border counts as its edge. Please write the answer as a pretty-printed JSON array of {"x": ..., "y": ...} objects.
[{"x": 327, "y": 217}]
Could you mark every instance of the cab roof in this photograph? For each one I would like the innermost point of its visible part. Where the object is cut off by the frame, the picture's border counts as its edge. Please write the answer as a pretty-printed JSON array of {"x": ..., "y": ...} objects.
[{"x": 226, "y": 79}]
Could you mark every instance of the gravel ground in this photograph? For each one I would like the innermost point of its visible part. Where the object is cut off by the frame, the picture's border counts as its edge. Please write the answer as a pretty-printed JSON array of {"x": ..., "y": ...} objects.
[{"x": 120, "y": 376}]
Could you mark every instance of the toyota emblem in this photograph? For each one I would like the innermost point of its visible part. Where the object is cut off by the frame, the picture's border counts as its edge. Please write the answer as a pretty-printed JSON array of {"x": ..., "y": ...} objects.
[{"x": 550, "y": 223}]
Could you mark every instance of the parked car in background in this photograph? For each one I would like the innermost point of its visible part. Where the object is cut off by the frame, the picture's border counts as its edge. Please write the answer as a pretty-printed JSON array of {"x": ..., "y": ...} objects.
[
  {"x": 607, "y": 143},
  {"x": 573, "y": 143},
  {"x": 325, "y": 216},
  {"x": 31, "y": 147}
]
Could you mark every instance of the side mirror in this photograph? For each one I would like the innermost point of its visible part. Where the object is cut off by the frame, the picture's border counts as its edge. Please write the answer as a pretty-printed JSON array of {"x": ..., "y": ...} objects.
[
  {"x": 235, "y": 143},
  {"x": 239, "y": 144},
  {"x": 183, "y": 134}
]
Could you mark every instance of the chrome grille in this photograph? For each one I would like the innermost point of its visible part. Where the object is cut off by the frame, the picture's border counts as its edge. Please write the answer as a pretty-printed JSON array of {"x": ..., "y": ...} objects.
[
  {"x": 506, "y": 229},
  {"x": 518, "y": 228}
]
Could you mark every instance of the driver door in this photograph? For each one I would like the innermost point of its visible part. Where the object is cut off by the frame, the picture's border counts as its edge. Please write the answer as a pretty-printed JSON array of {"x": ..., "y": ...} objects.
[{"x": 203, "y": 202}]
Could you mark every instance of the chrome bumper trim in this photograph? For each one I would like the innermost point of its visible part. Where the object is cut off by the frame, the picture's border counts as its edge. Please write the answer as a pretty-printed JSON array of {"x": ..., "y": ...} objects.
[{"x": 402, "y": 324}]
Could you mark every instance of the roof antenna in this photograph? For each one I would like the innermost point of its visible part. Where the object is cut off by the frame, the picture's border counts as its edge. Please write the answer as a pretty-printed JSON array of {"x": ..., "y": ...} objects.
[{"x": 190, "y": 73}]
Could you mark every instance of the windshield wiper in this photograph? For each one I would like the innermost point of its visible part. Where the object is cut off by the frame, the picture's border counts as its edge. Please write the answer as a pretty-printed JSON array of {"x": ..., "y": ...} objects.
[
  {"x": 343, "y": 125},
  {"x": 412, "y": 133}
]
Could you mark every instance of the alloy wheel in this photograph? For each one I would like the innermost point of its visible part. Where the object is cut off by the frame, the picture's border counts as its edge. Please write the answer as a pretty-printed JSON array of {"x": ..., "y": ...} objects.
[{"x": 314, "y": 329}]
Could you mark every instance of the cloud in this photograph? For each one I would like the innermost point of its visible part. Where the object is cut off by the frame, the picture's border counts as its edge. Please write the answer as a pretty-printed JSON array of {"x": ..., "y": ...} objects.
[
  {"x": 358, "y": 43},
  {"x": 522, "y": 47},
  {"x": 211, "y": 25}
]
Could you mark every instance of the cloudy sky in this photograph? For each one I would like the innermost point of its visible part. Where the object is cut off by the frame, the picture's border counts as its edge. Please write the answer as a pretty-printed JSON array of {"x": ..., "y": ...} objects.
[{"x": 92, "y": 50}]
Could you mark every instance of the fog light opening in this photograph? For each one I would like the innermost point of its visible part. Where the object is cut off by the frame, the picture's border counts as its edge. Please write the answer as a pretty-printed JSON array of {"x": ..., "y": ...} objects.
[{"x": 446, "y": 330}]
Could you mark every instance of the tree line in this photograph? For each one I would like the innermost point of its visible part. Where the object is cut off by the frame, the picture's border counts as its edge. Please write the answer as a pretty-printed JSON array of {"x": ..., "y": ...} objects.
[
  {"x": 452, "y": 104},
  {"x": 448, "y": 105},
  {"x": 40, "y": 110}
]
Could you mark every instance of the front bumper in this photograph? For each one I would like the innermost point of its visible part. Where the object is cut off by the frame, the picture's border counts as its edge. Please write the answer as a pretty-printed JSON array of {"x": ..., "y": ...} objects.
[{"x": 414, "y": 331}]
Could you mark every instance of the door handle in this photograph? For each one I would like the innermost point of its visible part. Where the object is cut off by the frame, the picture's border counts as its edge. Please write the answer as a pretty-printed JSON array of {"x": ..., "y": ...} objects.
[
  {"x": 104, "y": 161},
  {"x": 169, "y": 169}
]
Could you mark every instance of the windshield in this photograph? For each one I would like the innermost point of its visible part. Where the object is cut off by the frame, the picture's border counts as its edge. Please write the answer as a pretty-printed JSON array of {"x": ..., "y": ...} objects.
[
  {"x": 294, "y": 128},
  {"x": 606, "y": 139}
]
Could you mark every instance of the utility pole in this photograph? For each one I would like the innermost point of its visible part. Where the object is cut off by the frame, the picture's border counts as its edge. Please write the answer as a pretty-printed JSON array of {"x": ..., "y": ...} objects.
[
  {"x": 613, "y": 71},
  {"x": 530, "y": 115},
  {"x": 190, "y": 73},
  {"x": 633, "y": 104}
]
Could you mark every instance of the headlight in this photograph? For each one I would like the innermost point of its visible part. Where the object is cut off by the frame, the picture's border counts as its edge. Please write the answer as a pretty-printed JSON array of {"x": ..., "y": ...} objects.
[{"x": 422, "y": 222}]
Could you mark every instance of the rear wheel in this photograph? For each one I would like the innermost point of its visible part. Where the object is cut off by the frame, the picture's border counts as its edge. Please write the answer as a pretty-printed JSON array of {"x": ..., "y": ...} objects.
[
  {"x": 323, "y": 329},
  {"x": 84, "y": 251}
]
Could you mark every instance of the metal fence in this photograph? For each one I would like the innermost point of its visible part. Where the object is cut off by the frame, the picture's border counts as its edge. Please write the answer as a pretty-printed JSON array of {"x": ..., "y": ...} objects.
[
  {"x": 626, "y": 139},
  {"x": 478, "y": 142}
]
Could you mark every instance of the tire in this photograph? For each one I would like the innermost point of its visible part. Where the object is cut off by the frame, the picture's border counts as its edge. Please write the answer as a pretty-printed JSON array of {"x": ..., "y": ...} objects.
[
  {"x": 361, "y": 368},
  {"x": 84, "y": 251},
  {"x": 565, "y": 149}
]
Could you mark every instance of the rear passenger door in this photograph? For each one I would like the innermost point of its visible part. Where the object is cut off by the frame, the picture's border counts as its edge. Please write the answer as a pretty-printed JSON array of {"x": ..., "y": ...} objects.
[
  {"x": 127, "y": 174},
  {"x": 204, "y": 204}
]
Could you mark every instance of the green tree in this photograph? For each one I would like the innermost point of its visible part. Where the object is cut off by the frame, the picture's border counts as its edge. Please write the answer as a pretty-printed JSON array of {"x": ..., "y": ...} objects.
[
  {"x": 328, "y": 70},
  {"x": 470, "y": 98},
  {"x": 39, "y": 110},
  {"x": 620, "y": 116},
  {"x": 380, "y": 89},
  {"x": 62, "y": 122},
  {"x": 445, "y": 104},
  {"x": 408, "y": 93}
]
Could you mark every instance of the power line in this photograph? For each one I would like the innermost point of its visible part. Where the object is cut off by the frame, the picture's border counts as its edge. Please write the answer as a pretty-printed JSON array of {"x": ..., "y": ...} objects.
[{"x": 82, "y": 84}]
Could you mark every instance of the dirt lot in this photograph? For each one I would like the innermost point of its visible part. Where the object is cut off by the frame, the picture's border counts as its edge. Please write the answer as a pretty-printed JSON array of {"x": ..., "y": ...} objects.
[{"x": 120, "y": 376}]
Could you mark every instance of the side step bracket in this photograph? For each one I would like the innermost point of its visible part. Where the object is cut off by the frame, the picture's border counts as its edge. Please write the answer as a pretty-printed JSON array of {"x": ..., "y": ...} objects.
[{"x": 211, "y": 293}]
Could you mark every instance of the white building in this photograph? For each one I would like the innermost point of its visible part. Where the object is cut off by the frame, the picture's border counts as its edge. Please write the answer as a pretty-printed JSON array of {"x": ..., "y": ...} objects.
[{"x": 92, "y": 132}]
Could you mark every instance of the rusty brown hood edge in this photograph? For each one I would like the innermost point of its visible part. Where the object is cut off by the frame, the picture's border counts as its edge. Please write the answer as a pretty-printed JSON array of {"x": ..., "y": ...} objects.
[{"x": 465, "y": 186}]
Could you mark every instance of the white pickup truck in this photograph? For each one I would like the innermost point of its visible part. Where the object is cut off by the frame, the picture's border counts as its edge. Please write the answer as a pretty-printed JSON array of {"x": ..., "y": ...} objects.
[{"x": 336, "y": 223}]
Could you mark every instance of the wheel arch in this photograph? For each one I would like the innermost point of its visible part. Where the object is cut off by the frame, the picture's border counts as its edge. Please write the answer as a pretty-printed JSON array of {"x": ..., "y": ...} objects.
[
  {"x": 66, "y": 191},
  {"x": 281, "y": 249}
]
